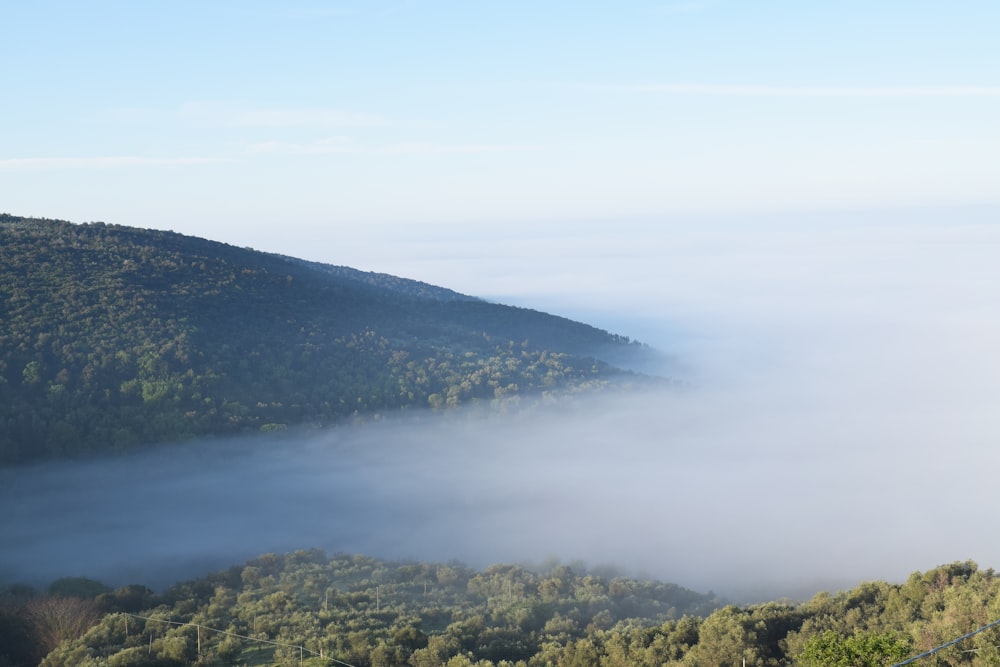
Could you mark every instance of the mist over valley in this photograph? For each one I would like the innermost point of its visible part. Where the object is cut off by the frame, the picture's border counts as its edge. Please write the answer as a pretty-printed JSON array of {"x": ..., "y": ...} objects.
[{"x": 828, "y": 420}]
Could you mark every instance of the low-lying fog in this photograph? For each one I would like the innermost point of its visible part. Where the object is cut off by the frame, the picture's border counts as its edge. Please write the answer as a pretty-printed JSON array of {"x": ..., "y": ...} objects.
[{"x": 840, "y": 425}]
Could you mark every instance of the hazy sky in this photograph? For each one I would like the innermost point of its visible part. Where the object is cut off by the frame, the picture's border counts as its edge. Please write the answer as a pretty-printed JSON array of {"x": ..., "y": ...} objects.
[
  {"x": 797, "y": 200},
  {"x": 301, "y": 126}
]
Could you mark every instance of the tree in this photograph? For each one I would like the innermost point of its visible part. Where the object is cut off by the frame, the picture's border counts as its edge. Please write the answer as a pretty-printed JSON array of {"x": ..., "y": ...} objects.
[
  {"x": 724, "y": 639},
  {"x": 78, "y": 587},
  {"x": 863, "y": 649},
  {"x": 56, "y": 619}
]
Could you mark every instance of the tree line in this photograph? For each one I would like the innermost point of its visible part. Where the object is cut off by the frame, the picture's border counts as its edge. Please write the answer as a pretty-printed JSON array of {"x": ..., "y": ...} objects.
[{"x": 308, "y": 608}]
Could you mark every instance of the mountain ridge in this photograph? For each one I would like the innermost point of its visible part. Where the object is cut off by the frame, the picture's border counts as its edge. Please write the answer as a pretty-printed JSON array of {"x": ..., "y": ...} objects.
[{"x": 113, "y": 337}]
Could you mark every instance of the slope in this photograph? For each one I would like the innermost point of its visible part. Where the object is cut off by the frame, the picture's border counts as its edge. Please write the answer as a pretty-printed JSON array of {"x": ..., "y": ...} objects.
[{"x": 113, "y": 337}]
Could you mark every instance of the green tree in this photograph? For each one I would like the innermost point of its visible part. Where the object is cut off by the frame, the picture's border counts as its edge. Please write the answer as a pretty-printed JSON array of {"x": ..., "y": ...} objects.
[
  {"x": 863, "y": 649},
  {"x": 78, "y": 587}
]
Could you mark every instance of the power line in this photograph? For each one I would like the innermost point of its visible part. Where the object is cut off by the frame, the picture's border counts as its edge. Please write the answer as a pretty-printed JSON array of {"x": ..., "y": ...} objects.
[
  {"x": 951, "y": 643},
  {"x": 239, "y": 636}
]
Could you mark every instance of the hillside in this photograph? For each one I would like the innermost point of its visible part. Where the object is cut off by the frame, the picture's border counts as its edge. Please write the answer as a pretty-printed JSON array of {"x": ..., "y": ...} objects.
[
  {"x": 363, "y": 611},
  {"x": 113, "y": 337},
  {"x": 306, "y": 608}
]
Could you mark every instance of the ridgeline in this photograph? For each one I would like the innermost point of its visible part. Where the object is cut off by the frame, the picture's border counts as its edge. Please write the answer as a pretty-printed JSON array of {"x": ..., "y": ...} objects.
[{"x": 114, "y": 337}]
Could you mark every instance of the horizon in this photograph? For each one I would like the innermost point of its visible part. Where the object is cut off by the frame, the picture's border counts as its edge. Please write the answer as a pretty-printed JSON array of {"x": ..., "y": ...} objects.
[
  {"x": 839, "y": 375},
  {"x": 224, "y": 120}
]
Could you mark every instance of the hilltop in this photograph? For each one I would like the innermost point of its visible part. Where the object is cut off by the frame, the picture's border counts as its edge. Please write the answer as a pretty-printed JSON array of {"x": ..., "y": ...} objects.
[{"x": 113, "y": 337}]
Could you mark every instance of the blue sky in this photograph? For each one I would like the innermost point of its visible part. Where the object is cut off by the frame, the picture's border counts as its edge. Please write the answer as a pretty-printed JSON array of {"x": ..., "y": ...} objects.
[{"x": 288, "y": 125}]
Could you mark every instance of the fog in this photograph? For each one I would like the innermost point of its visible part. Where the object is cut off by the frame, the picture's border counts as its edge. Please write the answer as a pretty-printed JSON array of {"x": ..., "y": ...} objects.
[{"x": 838, "y": 422}]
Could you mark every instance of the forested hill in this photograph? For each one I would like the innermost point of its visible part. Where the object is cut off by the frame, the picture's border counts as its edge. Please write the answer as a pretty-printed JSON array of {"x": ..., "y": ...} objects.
[
  {"x": 312, "y": 610},
  {"x": 353, "y": 610},
  {"x": 113, "y": 337}
]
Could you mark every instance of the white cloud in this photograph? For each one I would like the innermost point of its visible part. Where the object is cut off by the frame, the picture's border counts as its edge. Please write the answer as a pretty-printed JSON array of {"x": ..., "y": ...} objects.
[
  {"x": 310, "y": 13},
  {"x": 103, "y": 162},
  {"x": 803, "y": 91},
  {"x": 344, "y": 145},
  {"x": 417, "y": 147},
  {"x": 325, "y": 146},
  {"x": 223, "y": 114},
  {"x": 688, "y": 6}
]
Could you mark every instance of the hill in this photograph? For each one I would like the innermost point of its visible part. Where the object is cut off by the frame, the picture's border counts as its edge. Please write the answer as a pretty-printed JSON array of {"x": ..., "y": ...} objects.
[
  {"x": 359, "y": 610},
  {"x": 305, "y": 608},
  {"x": 113, "y": 337}
]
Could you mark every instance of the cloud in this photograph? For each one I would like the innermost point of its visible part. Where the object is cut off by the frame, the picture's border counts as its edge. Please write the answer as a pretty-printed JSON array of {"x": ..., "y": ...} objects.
[
  {"x": 325, "y": 146},
  {"x": 687, "y": 7},
  {"x": 429, "y": 148},
  {"x": 103, "y": 162},
  {"x": 839, "y": 425},
  {"x": 344, "y": 145},
  {"x": 801, "y": 91},
  {"x": 844, "y": 394},
  {"x": 211, "y": 113},
  {"x": 311, "y": 13}
]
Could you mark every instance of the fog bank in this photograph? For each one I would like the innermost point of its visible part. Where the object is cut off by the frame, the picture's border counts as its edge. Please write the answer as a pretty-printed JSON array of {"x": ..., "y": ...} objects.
[
  {"x": 714, "y": 494},
  {"x": 838, "y": 424}
]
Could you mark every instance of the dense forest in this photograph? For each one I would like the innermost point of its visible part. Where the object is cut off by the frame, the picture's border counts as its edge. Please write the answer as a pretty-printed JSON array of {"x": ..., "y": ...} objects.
[
  {"x": 306, "y": 608},
  {"x": 113, "y": 337}
]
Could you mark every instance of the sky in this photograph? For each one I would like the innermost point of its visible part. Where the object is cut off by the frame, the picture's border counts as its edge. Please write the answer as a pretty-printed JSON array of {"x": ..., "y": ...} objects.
[
  {"x": 302, "y": 127},
  {"x": 797, "y": 202}
]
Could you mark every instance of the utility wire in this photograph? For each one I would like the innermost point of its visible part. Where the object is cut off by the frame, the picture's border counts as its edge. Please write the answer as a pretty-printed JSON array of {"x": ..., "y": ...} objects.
[
  {"x": 233, "y": 634},
  {"x": 951, "y": 643}
]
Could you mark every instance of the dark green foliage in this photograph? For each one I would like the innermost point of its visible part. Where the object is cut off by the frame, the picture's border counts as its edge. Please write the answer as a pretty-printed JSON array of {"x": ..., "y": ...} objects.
[
  {"x": 132, "y": 598},
  {"x": 113, "y": 337},
  {"x": 77, "y": 587}
]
